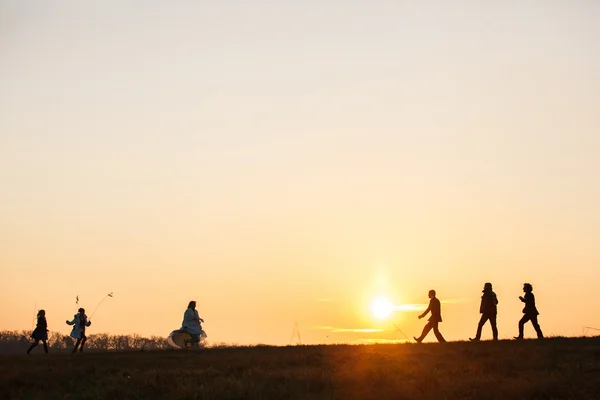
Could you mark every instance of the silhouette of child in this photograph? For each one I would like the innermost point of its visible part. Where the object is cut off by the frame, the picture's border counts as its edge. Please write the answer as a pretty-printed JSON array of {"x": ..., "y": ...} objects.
[
  {"x": 79, "y": 322},
  {"x": 40, "y": 333}
]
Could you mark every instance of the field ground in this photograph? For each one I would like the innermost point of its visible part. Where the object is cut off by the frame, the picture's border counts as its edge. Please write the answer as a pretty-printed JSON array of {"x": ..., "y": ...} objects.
[{"x": 558, "y": 368}]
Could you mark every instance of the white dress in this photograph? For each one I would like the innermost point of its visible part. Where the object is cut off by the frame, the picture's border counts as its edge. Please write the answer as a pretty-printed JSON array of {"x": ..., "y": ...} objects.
[{"x": 191, "y": 322}]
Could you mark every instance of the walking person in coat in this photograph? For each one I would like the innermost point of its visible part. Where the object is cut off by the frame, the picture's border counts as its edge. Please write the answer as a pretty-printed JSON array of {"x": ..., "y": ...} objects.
[
  {"x": 488, "y": 310},
  {"x": 530, "y": 312},
  {"x": 40, "y": 333},
  {"x": 436, "y": 317},
  {"x": 79, "y": 322},
  {"x": 191, "y": 324}
]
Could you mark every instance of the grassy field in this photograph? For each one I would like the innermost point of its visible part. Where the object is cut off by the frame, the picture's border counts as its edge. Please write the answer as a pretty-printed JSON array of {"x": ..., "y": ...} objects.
[{"x": 550, "y": 369}]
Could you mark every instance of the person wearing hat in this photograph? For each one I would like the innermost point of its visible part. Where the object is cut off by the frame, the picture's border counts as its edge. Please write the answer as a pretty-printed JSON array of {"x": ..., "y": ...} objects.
[
  {"x": 489, "y": 310},
  {"x": 79, "y": 322},
  {"x": 530, "y": 312}
]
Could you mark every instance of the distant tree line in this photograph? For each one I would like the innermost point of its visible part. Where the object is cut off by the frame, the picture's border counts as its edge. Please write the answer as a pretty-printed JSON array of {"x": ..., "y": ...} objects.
[{"x": 12, "y": 342}]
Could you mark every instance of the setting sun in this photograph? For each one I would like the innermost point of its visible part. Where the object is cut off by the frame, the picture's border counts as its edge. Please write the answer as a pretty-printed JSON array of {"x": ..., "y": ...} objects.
[{"x": 381, "y": 308}]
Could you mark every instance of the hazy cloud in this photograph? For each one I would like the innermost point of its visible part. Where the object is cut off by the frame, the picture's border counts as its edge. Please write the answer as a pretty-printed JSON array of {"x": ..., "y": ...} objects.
[
  {"x": 356, "y": 330},
  {"x": 422, "y": 307},
  {"x": 410, "y": 307}
]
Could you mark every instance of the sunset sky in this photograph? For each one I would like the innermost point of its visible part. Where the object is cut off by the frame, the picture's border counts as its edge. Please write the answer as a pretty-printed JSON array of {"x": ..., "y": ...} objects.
[{"x": 292, "y": 161}]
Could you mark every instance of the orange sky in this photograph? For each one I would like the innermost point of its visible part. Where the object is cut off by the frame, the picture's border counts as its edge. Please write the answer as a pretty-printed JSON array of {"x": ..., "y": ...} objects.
[{"x": 285, "y": 163}]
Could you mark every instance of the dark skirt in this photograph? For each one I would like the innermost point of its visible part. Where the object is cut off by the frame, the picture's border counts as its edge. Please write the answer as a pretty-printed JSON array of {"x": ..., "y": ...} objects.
[{"x": 39, "y": 334}]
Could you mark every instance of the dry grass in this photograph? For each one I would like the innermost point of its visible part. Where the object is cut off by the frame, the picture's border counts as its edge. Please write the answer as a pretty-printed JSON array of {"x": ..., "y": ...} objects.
[{"x": 550, "y": 369}]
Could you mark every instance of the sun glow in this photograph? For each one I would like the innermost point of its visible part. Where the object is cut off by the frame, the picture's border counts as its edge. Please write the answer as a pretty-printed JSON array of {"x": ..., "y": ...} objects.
[{"x": 381, "y": 308}]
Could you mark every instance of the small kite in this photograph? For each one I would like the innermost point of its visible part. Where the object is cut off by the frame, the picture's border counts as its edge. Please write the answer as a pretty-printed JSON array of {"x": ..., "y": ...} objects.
[{"x": 101, "y": 301}]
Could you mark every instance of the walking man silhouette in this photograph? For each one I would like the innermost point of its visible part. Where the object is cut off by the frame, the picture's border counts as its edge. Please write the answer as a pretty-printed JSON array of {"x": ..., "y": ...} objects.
[
  {"x": 488, "y": 310},
  {"x": 436, "y": 317},
  {"x": 530, "y": 312}
]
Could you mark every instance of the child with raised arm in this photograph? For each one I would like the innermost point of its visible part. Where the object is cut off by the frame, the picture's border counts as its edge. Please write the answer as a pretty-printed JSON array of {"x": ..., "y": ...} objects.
[{"x": 79, "y": 322}]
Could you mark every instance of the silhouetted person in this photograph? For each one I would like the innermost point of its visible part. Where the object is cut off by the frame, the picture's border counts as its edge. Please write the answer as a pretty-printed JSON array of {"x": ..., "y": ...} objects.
[
  {"x": 79, "y": 322},
  {"x": 488, "y": 310},
  {"x": 436, "y": 317},
  {"x": 40, "y": 333},
  {"x": 530, "y": 312},
  {"x": 191, "y": 323}
]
